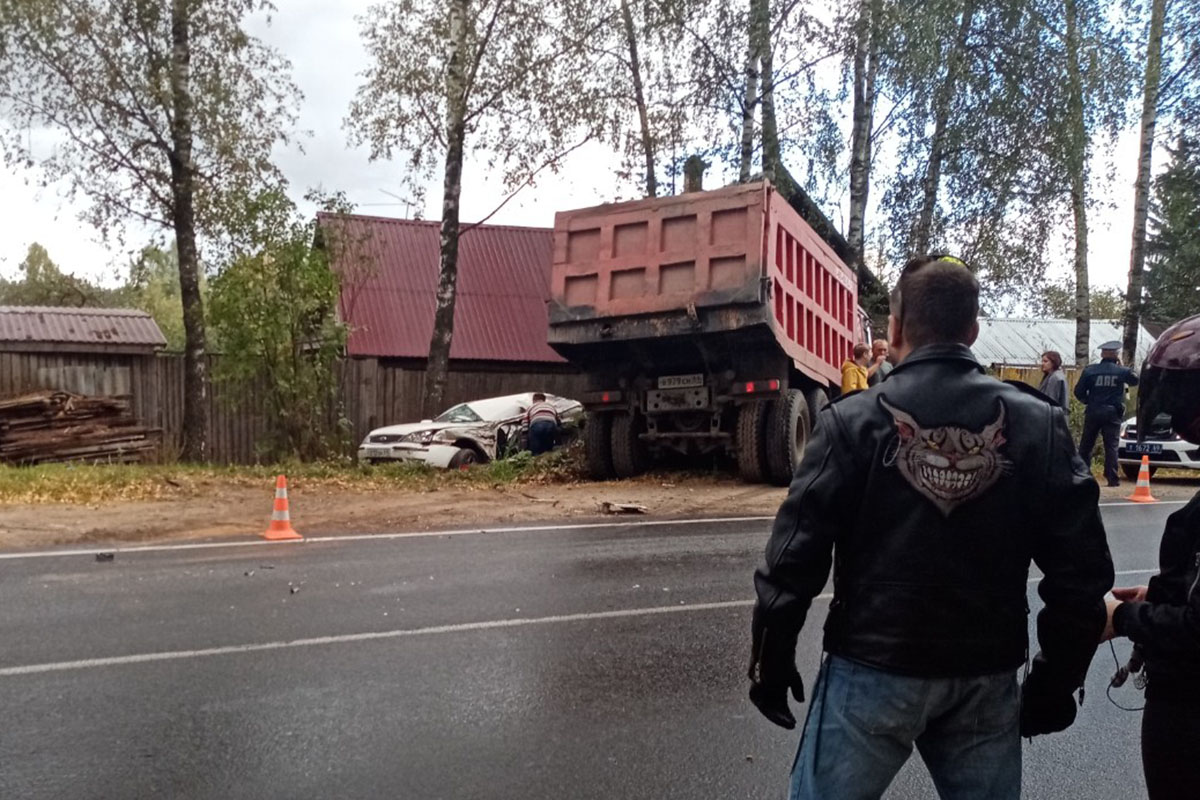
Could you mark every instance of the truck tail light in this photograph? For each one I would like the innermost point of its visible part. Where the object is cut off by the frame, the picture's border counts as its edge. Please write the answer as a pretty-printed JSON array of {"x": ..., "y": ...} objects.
[
  {"x": 757, "y": 387},
  {"x": 609, "y": 398}
]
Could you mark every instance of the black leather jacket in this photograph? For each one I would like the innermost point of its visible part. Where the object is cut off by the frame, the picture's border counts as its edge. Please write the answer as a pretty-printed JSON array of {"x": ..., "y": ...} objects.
[
  {"x": 1167, "y": 626},
  {"x": 929, "y": 495}
]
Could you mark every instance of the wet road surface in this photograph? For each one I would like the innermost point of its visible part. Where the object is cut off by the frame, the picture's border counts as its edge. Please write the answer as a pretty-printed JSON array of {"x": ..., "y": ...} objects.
[{"x": 581, "y": 662}]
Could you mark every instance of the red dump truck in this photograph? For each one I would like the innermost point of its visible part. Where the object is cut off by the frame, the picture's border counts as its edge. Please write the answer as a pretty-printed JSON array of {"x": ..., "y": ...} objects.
[{"x": 707, "y": 322}]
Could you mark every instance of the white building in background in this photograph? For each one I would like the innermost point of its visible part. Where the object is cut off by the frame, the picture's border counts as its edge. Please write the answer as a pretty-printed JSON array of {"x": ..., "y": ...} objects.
[{"x": 1020, "y": 341}]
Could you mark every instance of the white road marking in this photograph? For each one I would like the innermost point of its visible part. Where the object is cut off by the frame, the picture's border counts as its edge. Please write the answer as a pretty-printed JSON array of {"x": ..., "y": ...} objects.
[
  {"x": 176, "y": 655},
  {"x": 362, "y": 537}
]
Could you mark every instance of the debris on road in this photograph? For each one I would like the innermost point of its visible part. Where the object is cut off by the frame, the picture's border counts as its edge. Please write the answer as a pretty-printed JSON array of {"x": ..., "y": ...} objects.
[
  {"x": 609, "y": 507},
  {"x": 535, "y": 499},
  {"x": 105, "y": 556}
]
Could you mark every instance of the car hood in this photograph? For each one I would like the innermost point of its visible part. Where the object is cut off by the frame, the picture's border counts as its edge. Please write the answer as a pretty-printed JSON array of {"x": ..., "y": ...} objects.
[{"x": 419, "y": 427}]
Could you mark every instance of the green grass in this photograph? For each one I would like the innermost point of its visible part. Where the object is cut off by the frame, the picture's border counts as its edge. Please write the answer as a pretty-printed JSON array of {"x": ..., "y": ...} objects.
[{"x": 98, "y": 484}]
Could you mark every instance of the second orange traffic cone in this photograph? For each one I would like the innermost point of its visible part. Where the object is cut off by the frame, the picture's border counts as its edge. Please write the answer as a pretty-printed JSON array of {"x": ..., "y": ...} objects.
[
  {"x": 280, "y": 528},
  {"x": 1141, "y": 493}
]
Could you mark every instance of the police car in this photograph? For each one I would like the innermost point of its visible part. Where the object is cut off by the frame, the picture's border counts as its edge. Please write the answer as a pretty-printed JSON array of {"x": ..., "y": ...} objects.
[{"x": 1163, "y": 445}]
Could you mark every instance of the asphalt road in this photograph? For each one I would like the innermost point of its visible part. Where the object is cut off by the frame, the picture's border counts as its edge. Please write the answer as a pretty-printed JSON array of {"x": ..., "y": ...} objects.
[{"x": 580, "y": 662}]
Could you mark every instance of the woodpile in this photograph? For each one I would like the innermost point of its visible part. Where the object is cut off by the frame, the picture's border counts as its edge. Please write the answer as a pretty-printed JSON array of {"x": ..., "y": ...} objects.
[{"x": 46, "y": 427}]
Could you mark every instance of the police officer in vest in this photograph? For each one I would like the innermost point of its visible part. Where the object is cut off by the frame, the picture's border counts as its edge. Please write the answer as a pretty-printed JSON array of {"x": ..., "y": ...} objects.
[{"x": 1101, "y": 388}]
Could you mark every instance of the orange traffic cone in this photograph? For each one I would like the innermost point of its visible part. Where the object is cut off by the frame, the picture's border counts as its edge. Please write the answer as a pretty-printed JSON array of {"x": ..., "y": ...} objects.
[
  {"x": 1141, "y": 493},
  {"x": 281, "y": 522}
]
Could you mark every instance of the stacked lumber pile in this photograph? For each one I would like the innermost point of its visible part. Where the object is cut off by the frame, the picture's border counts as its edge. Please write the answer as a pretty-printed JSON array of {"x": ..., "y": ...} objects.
[{"x": 51, "y": 426}]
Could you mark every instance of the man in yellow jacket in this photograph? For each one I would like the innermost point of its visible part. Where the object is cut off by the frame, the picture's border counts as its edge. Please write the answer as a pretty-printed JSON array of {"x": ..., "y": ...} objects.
[{"x": 854, "y": 371}]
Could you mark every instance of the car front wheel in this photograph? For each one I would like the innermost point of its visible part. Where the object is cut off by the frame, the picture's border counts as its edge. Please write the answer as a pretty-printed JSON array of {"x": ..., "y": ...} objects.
[{"x": 464, "y": 459}]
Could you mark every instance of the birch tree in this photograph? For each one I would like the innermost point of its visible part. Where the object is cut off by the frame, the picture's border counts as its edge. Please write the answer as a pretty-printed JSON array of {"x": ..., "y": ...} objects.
[
  {"x": 651, "y": 97},
  {"x": 155, "y": 112},
  {"x": 868, "y": 31},
  {"x": 505, "y": 81}
]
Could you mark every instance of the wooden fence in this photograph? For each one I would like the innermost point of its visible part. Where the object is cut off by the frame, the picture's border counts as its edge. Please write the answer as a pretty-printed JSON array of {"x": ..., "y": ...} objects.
[
  {"x": 1033, "y": 375},
  {"x": 372, "y": 393}
]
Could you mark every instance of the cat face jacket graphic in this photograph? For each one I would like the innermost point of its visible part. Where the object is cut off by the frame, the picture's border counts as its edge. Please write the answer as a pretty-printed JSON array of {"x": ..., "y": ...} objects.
[
  {"x": 929, "y": 496},
  {"x": 948, "y": 464}
]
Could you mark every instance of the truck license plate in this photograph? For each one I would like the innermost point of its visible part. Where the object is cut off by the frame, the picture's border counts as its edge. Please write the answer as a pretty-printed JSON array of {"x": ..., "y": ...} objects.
[
  {"x": 1145, "y": 447},
  {"x": 681, "y": 381}
]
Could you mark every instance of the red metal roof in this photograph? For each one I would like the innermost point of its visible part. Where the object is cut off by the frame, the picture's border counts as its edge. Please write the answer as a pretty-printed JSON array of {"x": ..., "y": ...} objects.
[
  {"x": 90, "y": 326},
  {"x": 503, "y": 288}
]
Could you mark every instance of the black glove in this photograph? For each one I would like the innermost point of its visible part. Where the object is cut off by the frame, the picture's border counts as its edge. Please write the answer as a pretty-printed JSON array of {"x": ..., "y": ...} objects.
[
  {"x": 773, "y": 672},
  {"x": 1046, "y": 706}
]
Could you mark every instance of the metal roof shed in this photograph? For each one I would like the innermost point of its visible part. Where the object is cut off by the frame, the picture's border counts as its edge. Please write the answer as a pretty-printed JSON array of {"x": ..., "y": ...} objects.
[
  {"x": 102, "y": 331},
  {"x": 389, "y": 271},
  {"x": 1020, "y": 341}
]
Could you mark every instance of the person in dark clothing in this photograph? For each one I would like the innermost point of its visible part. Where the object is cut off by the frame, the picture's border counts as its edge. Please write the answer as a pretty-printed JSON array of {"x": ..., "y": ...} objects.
[
  {"x": 1163, "y": 619},
  {"x": 1054, "y": 383},
  {"x": 929, "y": 495},
  {"x": 1101, "y": 388}
]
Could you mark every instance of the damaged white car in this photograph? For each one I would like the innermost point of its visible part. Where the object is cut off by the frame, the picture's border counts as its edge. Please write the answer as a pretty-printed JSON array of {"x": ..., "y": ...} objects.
[{"x": 469, "y": 433}]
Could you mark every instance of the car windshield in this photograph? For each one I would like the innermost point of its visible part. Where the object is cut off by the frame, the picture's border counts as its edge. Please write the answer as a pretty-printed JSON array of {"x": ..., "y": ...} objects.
[{"x": 459, "y": 413}]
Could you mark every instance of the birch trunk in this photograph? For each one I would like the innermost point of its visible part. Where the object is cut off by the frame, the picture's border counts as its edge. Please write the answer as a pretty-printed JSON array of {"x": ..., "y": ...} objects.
[
  {"x": 937, "y": 145},
  {"x": 1141, "y": 203},
  {"x": 1077, "y": 166},
  {"x": 749, "y": 97},
  {"x": 770, "y": 127},
  {"x": 438, "y": 365},
  {"x": 639, "y": 96},
  {"x": 183, "y": 175},
  {"x": 865, "y": 66}
]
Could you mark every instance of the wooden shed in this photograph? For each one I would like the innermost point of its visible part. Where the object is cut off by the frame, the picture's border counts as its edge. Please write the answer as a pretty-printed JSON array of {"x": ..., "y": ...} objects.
[{"x": 90, "y": 351}]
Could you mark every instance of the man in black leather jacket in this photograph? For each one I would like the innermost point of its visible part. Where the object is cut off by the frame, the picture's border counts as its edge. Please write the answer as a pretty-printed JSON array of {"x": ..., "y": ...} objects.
[
  {"x": 929, "y": 495},
  {"x": 1163, "y": 618}
]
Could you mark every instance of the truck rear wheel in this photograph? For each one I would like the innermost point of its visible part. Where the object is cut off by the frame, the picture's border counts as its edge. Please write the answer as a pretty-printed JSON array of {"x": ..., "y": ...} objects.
[
  {"x": 788, "y": 426},
  {"x": 597, "y": 446},
  {"x": 751, "y": 428},
  {"x": 628, "y": 451}
]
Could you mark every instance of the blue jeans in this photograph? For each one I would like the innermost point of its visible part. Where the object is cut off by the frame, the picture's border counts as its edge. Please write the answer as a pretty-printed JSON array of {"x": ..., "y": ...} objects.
[
  {"x": 541, "y": 436},
  {"x": 863, "y": 722}
]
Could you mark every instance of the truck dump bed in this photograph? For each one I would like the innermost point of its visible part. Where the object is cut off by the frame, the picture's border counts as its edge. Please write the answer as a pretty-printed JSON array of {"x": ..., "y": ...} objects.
[{"x": 736, "y": 264}]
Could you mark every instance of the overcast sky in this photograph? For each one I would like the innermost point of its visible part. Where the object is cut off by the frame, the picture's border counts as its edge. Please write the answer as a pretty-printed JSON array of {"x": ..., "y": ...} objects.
[{"x": 320, "y": 37}]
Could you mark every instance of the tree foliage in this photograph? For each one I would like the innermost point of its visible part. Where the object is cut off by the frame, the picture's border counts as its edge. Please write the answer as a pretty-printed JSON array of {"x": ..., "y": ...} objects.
[
  {"x": 504, "y": 80},
  {"x": 526, "y": 100},
  {"x": 152, "y": 284},
  {"x": 1056, "y": 300},
  {"x": 156, "y": 112},
  {"x": 1173, "y": 275},
  {"x": 274, "y": 309},
  {"x": 43, "y": 283},
  {"x": 95, "y": 77}
]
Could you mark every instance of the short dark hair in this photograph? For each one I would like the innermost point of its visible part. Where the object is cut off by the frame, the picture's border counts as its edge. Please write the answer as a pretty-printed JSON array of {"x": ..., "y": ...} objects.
[
  {"x": 935, "y": 301},
  {"x": 1054, "y": 357},
  {"x": 538, "y": 396},
  {"x": 861, "y": 350}
]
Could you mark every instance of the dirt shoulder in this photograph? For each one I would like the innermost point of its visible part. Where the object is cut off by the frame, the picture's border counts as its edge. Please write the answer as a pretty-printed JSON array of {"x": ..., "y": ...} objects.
[{"x": 234, "y": 511}]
